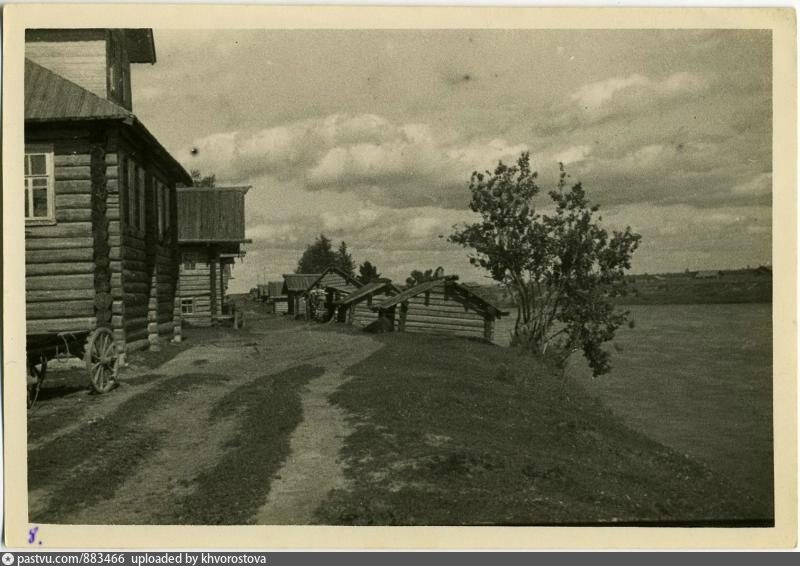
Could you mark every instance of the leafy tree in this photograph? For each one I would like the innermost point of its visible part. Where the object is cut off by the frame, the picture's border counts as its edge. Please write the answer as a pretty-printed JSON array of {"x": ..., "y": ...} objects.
[
  {"x": 203, "y": 181},
  {"x": 317, "y": 256},
  {"x": 368, "y": 272},
  {"x": 562, "y": 268},
  {"x": 344, "y": 260},
  {"x": 418, "y": 276}
]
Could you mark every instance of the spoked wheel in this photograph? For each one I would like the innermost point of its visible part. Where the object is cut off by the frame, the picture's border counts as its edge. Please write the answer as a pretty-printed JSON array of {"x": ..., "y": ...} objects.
[
  {"x": 102, "y": 361},
  {"x": 36, "y": 377}
]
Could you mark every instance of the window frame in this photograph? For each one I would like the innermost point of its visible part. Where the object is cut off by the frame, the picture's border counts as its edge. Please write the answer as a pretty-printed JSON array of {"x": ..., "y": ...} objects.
[
  {"x": 187, "y": 302},
  {"x": 49, "y": 155}
]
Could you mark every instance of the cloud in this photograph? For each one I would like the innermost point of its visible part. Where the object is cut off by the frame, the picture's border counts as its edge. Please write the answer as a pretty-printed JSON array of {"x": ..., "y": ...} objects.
[
  {"x": 402, "y": 165},
  {"x": 625, "y": 96},
  {"x": 757, "y": 186}
]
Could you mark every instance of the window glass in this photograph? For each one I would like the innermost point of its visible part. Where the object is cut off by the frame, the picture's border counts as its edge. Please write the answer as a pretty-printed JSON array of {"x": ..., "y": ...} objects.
[
  {"x": 141, "y": 189},
  {"x": 133, "y": 199},
  {"x": 187, "y": 306},
  {"x": 188, "y": 261},
  {"x": 39, "y": 186}
]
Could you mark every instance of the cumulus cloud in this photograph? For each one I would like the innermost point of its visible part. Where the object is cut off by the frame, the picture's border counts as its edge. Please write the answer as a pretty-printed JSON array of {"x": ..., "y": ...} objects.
[{"x": 401, "y": 165}]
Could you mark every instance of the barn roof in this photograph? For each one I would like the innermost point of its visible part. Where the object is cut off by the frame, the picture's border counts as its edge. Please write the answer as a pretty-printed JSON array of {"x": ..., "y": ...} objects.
[
  {"x": 476, "y": 301},
  {"x": 294, "y": 282},
  {"x": 333, "y": 269},
  {"x": 275, "y": 288},
  {"x": 211, "y": 214},
  {"x": 369, "y": 289},
  {"x": 49, "y": 97}
]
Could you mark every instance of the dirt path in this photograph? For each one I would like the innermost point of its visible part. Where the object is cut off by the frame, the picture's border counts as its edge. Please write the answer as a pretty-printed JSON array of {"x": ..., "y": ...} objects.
[
  {"x": 313, "y": 467},
  {"x": 169, "y": 424}
]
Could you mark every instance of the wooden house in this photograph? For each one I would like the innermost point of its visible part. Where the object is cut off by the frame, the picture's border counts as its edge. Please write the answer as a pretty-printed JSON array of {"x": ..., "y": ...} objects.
[
  {"x": 294, "y": 288},
  {"x": 100, "y": 215},
  {"x": 333, "y": 284},
  {"x": 441, "y": 306},
  {"x": 211, "y": 234},
  {"x": 276, "y": 297},
  {"x": 356, "y": 307}
]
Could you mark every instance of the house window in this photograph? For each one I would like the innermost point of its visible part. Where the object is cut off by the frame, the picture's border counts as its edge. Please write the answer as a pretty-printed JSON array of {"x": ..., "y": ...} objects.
[
  {"x": 39, "y": 186},
  {"x": 163, "y": 203},
  {"x": 187, "y": 306},
  {"x": 189, "y": 261},
  {"x": 136, "y": 197},
  {"x": 160, "y": 204}
]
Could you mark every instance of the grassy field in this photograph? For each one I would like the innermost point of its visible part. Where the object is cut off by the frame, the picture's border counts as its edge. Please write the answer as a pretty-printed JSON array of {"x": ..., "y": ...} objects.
[{"x": 452, "y": 432}]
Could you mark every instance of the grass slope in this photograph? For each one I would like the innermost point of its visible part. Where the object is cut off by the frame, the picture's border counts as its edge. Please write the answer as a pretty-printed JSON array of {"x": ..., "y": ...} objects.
[{"x": 453, "y": 432}]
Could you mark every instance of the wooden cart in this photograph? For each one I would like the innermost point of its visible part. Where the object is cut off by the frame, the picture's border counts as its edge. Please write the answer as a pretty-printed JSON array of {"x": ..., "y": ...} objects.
[{"x": 95, "y": 347}]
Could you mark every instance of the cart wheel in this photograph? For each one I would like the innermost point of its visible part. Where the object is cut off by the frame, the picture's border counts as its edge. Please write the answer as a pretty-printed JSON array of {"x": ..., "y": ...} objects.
[
  {"x": 35, "y": 380},
  {"x": 102, "y": 361}
]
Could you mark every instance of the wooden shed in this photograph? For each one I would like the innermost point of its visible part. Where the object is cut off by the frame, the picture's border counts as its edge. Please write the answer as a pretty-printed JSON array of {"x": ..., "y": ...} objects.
[
  {"x": 333, "y": 284},
  {"x": 294, "y": 288},
  {"x": 277, "y": 298},
  {"x": 100, "y": 215},
  {"x": 211, "y": 234},
  {"x": 356, "y": 307},
  {"x": 441, "y": 306}
]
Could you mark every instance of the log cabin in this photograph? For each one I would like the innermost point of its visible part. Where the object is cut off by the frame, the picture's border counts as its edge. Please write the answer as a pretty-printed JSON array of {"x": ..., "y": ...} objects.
[
  {"x": 211, "y": 235},
  {"x": 441, "y": 306},
  {"x": 294, "y": 288},
  {"x": 334, "y": 284},
  {"x": 356, "y": 308},
  {"x": 100, "y": 216},
  {"x": 275, "y": 297}
]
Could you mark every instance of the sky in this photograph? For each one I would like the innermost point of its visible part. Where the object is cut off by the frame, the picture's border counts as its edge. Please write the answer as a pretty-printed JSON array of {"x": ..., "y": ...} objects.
[{"x": 370, "y": 137}]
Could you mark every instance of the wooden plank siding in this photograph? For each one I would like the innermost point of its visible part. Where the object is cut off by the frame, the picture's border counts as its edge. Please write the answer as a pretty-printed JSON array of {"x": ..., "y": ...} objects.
[
  {"x": 82, "y": 62},
  {"x": 211, "y": 214}
]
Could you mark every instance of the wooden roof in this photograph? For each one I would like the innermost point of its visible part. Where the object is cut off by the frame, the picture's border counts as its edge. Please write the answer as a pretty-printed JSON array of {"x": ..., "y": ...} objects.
[
  {"x": 294, "y": 282},
  {"x": 451, "y": 285},
  {"x": 275, "y": 289},
  {"x": 332, "y": 269},
  {"x": 211, "y": 214},
  {"x": 369, "y": 289},
  {"x": 49, "y": 98}
]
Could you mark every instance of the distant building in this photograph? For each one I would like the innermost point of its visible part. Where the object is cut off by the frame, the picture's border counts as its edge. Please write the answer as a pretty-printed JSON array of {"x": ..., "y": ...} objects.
[
  {"x": 440, "y": 306},
  {"x": 294, "y": 288},
  {"x": 333, "y": 284},
  {"x": 277, "y": 298},
  {"x": 211, "y": 234}
]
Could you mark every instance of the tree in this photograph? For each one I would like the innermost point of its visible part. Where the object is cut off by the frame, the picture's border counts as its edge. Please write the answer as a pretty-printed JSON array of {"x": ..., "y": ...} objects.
[
  {"x": 317, "y": 257},
  {"x": 368, "y": 273},
  {"x": 418, "y": 276},
  {"x": 562, "y": 268},
  {"x": 200, "y": 181},
  {"x": 344, "y": 260}
]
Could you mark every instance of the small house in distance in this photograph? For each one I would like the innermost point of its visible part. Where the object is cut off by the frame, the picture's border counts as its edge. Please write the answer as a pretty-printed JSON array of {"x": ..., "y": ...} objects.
[
  {"x": 356, "y": 308},
  {"x": 99, "y": 190},
  {"x": 277, "y": 298},
  {"x": 294, "y": 288},
  {"x": 441, "y": 306},
  {"x": 211, "y": 234}
]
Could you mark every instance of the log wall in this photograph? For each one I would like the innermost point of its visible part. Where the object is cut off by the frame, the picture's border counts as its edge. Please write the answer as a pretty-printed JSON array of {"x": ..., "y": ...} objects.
[
  {"x": 436, "y": 312},
  {"x": 195, "y": 284},
  {"x": 60, "y": 257},
  {"x": 363, "y": 315}
]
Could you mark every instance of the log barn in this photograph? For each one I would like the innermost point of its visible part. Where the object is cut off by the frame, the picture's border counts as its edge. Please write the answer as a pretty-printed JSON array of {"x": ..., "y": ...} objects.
[
  {"x": 294, "y": 288},
  {"x": 356, "y": 308},
  {"x": 276, "y": 297},
  {"x": 211, "y": 235},
  {"x": 441, "y": 306},
  {"x": 100, "y": 216}
]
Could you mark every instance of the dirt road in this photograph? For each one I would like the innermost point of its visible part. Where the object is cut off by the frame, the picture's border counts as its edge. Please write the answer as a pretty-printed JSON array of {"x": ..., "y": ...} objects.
[{"x": 236, "y": 428}]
